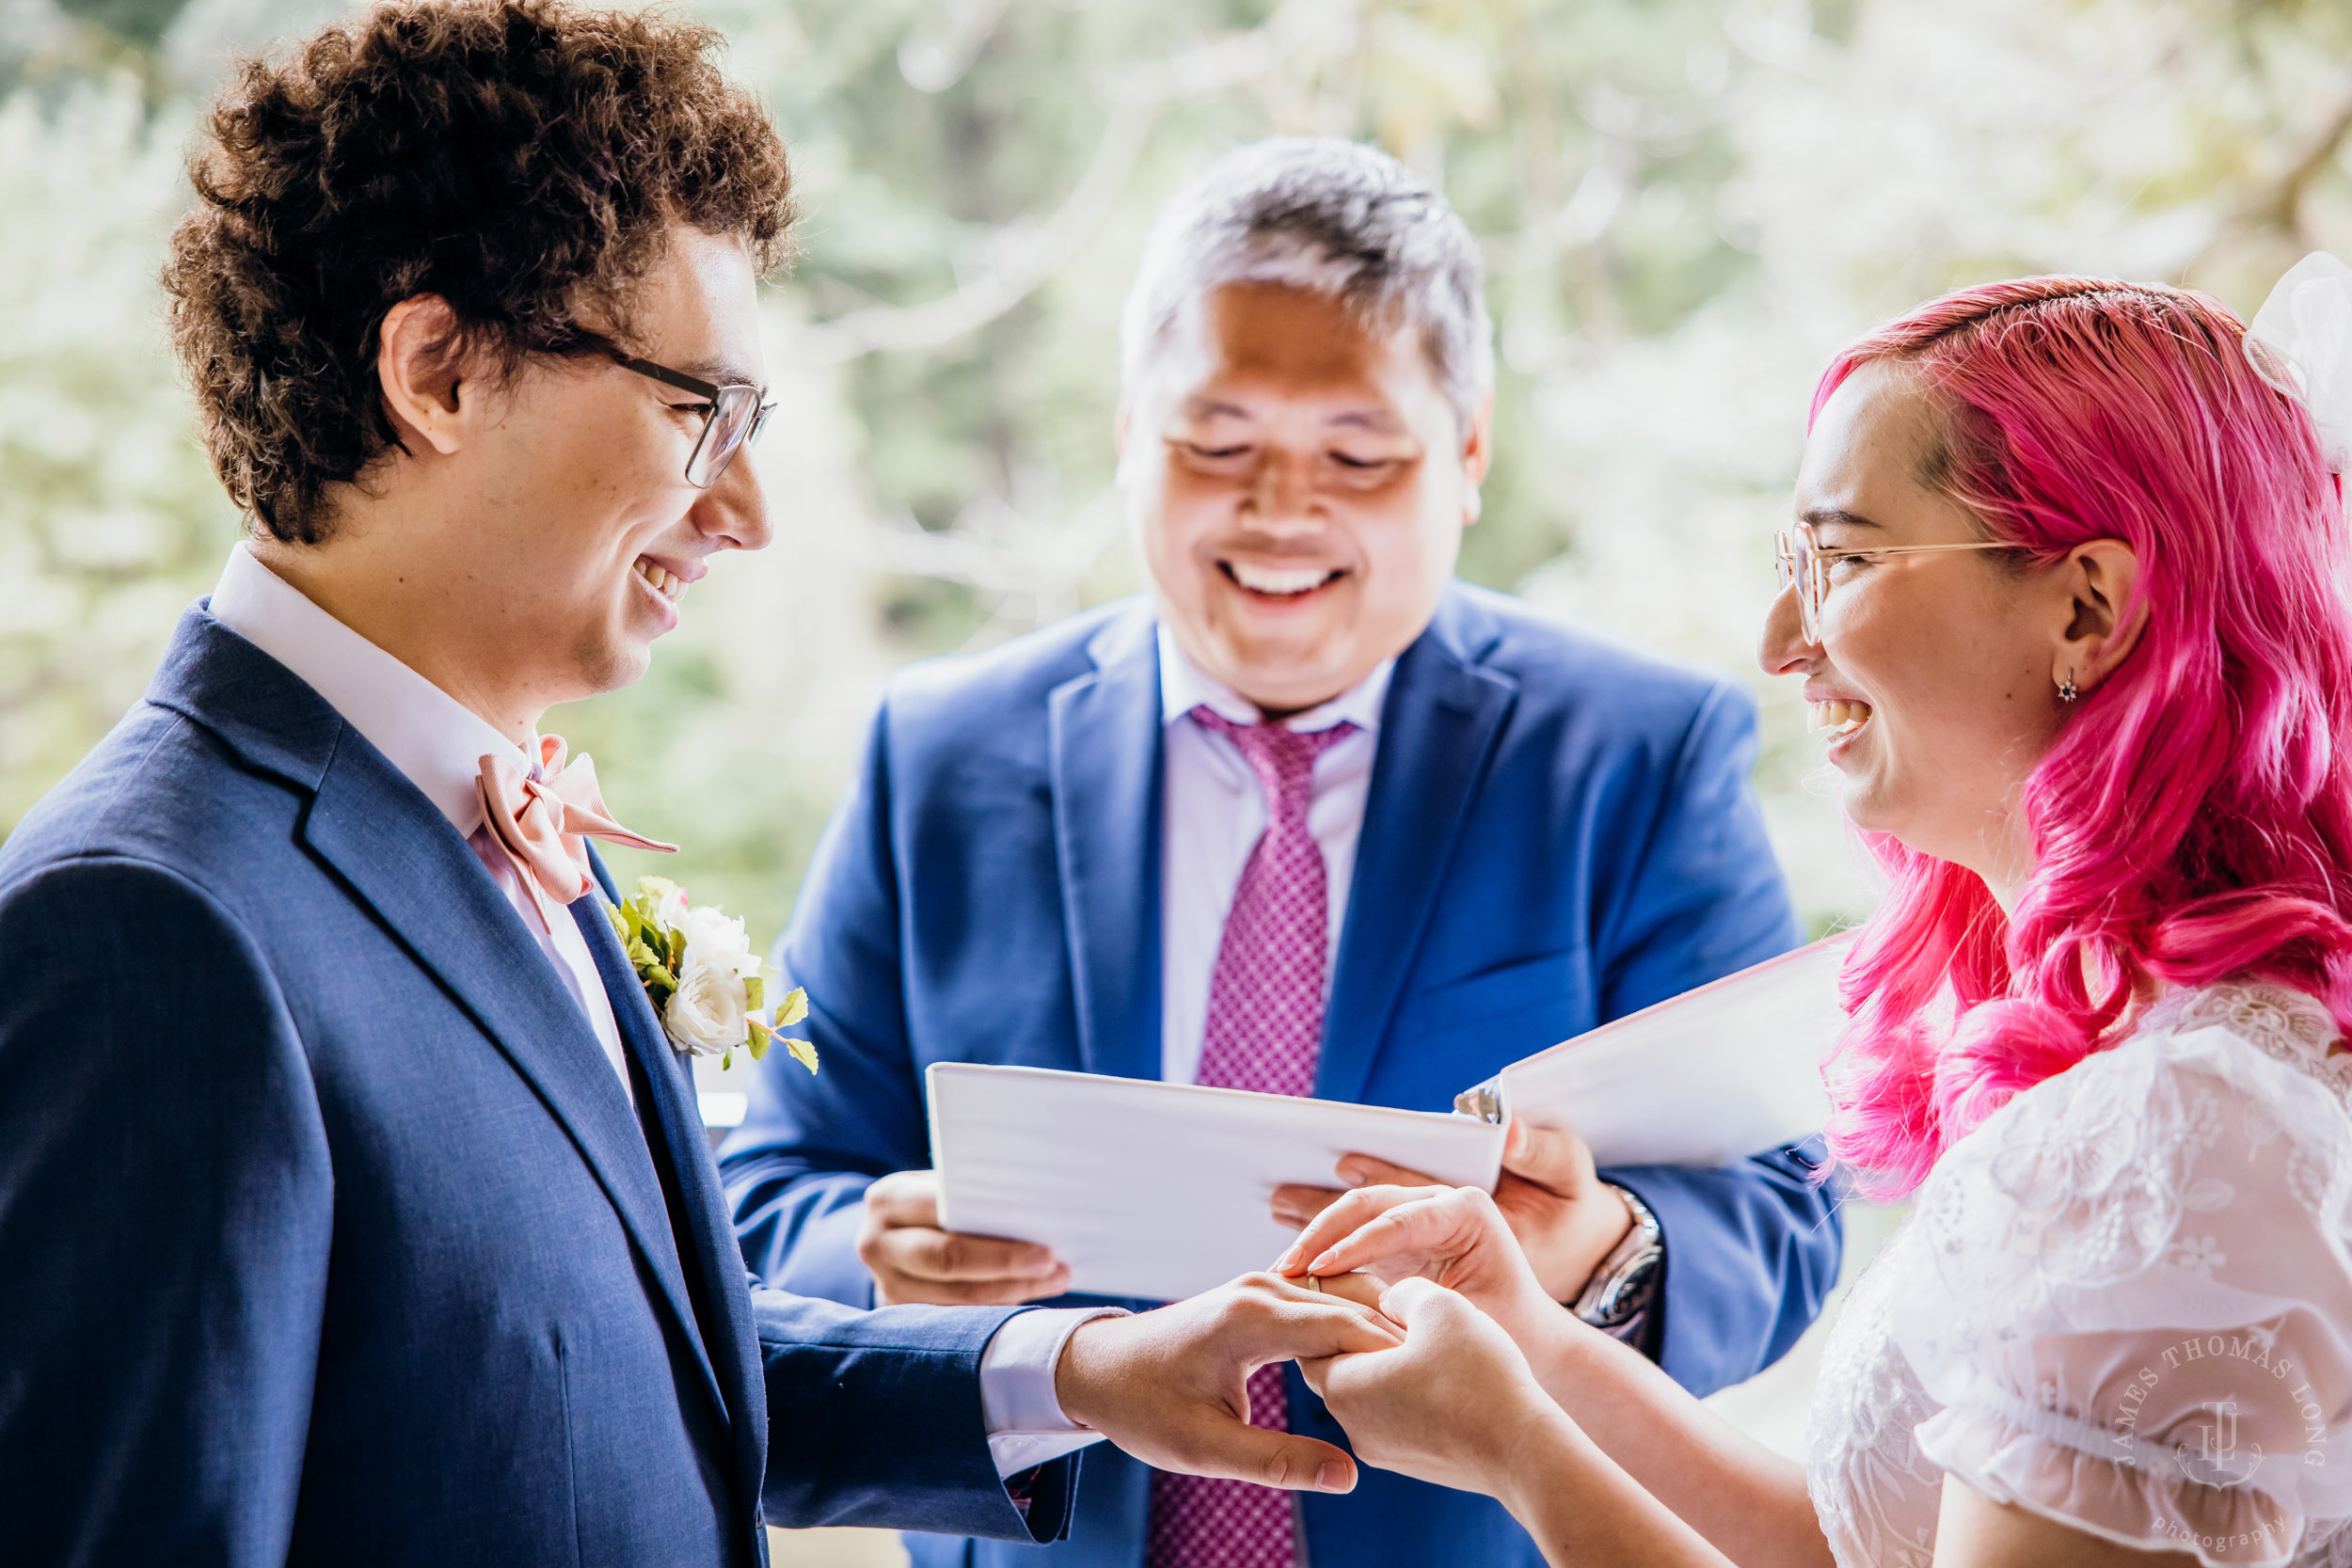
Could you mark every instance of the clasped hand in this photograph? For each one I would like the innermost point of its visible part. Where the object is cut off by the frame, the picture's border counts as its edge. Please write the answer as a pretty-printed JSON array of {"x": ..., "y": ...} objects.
[
  {"x": 1457, "y": 1402},
  {"x": 1424, "y": 1382},
  {"x": 1169, "y": 1386},
  {"x": 1556, "y": 1217}
]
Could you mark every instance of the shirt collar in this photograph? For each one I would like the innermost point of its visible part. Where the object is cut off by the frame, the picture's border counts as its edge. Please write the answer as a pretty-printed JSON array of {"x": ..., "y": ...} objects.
[
  {"x": 434, "y": 740},
  {"x": 1185, "y": 685}
]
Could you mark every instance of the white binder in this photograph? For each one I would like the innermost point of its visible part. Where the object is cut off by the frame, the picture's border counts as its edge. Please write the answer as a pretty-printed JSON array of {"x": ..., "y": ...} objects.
[
  {"x": 1161, "y": 1190},
  {"x": 1700, "y": 1079}
]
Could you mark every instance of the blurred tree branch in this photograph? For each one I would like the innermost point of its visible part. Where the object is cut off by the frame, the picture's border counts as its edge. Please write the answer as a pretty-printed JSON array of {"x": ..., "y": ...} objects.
[
  {"x": 2280, "y": 206},
  {"x": 1027, "y": 252}
]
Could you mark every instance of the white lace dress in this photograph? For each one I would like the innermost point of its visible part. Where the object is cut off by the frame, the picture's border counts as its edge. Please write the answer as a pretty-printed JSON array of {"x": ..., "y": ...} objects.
[{"x": 2124, "y": 1302}]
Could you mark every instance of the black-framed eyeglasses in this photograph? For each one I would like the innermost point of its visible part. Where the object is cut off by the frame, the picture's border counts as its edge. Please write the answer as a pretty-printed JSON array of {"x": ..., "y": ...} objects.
[{"x": 733, "y": 419}]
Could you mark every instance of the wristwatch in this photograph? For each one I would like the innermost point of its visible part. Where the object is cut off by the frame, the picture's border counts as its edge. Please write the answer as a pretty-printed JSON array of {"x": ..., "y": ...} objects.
[{"x": 1615, "y": 1298}]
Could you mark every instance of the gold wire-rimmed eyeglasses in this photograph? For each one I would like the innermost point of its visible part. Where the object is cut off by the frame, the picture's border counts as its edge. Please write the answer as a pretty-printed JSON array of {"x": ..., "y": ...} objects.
[{"x": 1803, "y": 563}]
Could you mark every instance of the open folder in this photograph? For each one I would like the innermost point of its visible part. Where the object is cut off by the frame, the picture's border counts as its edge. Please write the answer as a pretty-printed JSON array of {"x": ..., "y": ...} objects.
[
  {"x": 1161, "y": 1190},
  {"x": 1701, "y": 1079}
]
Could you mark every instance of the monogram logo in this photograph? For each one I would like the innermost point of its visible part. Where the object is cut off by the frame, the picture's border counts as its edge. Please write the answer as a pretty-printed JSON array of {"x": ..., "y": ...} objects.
[{"x": 2217, "y": 1460}]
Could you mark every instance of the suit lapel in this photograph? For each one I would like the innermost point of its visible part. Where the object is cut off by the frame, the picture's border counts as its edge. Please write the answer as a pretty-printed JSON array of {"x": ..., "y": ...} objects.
[
  {"x": 1438, "y": 731},
  {"x": 401, "y": 855},
  {"x": 730, "y": 1340},
  {"x": 1103, "y": 755}
]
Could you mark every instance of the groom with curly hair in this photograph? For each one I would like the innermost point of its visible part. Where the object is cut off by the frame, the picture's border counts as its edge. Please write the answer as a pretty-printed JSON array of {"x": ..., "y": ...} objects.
[{"x": 354, "y": 1208}]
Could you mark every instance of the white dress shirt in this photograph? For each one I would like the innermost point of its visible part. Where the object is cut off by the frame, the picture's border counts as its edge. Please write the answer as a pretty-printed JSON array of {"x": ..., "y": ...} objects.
[
  {"x": 437, "y": 743},
  {"x": 1214, "y": 811}
]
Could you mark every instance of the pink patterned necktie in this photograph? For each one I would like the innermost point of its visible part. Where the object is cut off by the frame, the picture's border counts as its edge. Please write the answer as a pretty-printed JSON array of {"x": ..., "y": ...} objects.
[{"x": 1264, "y": 1031}]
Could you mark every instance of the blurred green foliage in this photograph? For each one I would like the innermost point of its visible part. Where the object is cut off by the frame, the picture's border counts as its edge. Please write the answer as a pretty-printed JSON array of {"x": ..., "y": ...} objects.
[{"x": 1686, "y": 206}]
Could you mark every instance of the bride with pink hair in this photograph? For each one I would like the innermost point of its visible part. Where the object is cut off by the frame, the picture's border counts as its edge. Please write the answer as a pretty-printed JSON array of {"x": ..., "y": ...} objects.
[{"x": 2067, "y": 589}]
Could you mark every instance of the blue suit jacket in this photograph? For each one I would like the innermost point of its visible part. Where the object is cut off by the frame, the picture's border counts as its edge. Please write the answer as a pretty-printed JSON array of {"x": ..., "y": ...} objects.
[
  {"x": 326, "y": 1232},
  {"x": 1558, "y": 833}
]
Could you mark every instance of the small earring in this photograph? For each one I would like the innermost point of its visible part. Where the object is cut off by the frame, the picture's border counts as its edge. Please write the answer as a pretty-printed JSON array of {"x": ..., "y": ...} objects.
[{"x": 2066, "y": 688}]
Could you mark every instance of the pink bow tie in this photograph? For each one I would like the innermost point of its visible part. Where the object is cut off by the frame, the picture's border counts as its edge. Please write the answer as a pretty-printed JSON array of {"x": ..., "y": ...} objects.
[{"x": 544, "y": 819}]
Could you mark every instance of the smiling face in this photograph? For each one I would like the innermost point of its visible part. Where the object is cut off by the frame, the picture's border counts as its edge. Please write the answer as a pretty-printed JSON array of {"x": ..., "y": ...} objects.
[
  {"x": 530, "y": 537},
  {"x": 1933, "y": 672},
  {"x": 589, "y": 527},
  {"x": 1299, "y": 486}
]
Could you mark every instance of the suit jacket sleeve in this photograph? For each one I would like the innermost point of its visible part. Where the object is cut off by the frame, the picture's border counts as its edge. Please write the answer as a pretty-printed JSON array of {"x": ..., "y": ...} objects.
[
  {"x": 797, "y": 1169},
  {"x": 875, "y": 1419},
  {"x": 1752, "y": 1249},
  {"x": 165, "y": 1208}
]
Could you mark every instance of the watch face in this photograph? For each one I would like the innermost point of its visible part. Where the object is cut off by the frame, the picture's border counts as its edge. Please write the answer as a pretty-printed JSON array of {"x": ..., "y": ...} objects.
[
  {"x": 1618, "y": 1295},
  {"x": 1621, "y": 1288}
]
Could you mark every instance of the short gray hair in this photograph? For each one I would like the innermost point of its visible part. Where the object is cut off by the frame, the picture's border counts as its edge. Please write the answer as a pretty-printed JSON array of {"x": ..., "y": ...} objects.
[{"x": 1334, "y": 217}]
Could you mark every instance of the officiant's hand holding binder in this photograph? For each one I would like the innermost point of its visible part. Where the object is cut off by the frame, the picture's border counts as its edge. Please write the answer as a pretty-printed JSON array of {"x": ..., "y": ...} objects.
[{"x": 1161, "y": 1190}]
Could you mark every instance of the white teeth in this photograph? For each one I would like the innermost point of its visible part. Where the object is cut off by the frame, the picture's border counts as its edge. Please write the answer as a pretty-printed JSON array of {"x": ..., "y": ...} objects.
[
  {"x": 1263, "y": 580},
  {"x": 1836, "y": 714},
  {"x": 664, "y": 584}
]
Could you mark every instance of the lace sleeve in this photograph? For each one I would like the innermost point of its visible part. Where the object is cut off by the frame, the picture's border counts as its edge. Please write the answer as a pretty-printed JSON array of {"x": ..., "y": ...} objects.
[{"x": 2135, "y": 1299}]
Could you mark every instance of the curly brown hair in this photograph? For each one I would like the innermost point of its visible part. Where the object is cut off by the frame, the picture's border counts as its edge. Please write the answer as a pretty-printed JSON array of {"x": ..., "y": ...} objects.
[{"x": 521, "y": 159}]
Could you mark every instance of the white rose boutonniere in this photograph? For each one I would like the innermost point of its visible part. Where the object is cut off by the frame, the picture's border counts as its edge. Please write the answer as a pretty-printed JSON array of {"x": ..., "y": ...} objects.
[{"x": 705, "y": 984}]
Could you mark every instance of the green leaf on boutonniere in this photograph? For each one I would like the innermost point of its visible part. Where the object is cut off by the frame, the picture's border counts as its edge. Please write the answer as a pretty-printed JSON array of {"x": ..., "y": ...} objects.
[
  {"x": 799, "y": 1051},
  {"x": 755, "y": 989},
  {"x": 790, "y": 1011},
  {"x": 654, "y": 951}
]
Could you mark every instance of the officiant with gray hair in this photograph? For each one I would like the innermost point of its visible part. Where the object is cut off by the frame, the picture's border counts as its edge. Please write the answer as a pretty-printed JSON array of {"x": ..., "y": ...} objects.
[{"x": 1310, "y": 816}]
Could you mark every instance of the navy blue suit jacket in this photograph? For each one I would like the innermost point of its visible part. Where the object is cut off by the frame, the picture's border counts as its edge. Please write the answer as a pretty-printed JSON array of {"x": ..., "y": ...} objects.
[
  {"x": 326, "y": 1232},
  {"x": 1558, "y": 833}
]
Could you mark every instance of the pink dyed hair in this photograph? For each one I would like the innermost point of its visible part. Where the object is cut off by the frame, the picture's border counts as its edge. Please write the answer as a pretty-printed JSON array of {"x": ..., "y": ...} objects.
[{"x": 2192, "y": 822}]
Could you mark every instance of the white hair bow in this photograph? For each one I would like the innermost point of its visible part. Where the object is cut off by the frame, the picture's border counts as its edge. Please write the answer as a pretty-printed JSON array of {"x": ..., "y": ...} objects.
[{"x": 2301, "y": 343}]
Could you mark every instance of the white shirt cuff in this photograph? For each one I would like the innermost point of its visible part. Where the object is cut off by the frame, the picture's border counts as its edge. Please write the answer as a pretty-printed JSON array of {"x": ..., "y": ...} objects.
[{"x": 1025, "y": 1424}]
